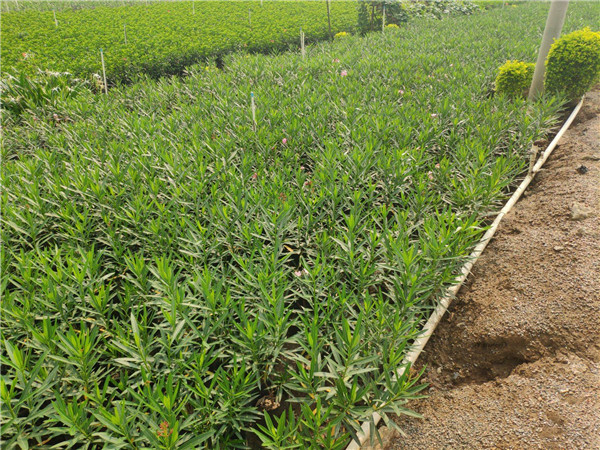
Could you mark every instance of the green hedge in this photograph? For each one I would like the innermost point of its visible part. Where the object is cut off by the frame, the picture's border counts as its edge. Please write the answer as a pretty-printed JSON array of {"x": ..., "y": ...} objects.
[
  {"x": 162, "y": 37},
  {"x": 514, "y": 78},
  {"x": 573, "y": 63}
]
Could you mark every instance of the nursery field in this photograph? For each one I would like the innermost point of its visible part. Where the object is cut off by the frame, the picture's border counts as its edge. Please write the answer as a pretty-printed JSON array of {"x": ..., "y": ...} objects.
[
  {"x": 176, "y": 275},
  {"x": 59, "y": 5},
  {"x": 159, "y": 38}
]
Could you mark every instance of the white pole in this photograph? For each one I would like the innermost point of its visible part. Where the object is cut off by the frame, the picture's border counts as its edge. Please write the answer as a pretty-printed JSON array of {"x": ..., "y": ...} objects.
[
  {"x": 17, "y": 3},
  {"x": 302, "y": 49},
  {"x": 253, "y": 107},
  {"x": 55, "y": 21},
  {"x": 249, "y": 18},
  {"x": 104, "y": 72},
  {"x": 125, "y": 32},
  {"x": 383, "y": 19},
  {"x": 554, "y": 23}
]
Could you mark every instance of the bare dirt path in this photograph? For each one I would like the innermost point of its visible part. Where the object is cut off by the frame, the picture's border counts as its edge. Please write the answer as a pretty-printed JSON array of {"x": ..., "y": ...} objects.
[{"x": 515, "y": 364}]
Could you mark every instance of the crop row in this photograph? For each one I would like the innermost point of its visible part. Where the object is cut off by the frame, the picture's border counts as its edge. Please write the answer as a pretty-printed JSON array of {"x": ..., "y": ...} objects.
[
  {"x": 59, "y": 5},
  {"x": 176, "y": 276},
  {"x": 160, "y": 38}
]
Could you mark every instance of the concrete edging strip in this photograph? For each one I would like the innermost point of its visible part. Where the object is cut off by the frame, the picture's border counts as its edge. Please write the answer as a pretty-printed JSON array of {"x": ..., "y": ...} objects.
[{"x": 438, "y": 313}]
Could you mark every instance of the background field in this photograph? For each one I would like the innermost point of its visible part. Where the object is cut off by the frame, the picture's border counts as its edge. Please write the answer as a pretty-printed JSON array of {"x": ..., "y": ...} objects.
[
  {"x": 60, "y": 5},
  {"x": 162, "y": 37},
  {"x": 170, "y": 276}
]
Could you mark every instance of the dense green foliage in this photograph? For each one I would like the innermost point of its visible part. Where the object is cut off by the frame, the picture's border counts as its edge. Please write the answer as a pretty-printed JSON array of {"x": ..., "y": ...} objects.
[
  {"x": 370, "y": 12},
  {"x": 573, "y": 63},
  {"x": 514, "y": 78},
  {"x": 60, "y": 5},
  {"x": 46, "y": 90},
  {"x": 162, "y": 37},
  {"x": 173, "y": 279},
  {"x": 488, "y": 4}
]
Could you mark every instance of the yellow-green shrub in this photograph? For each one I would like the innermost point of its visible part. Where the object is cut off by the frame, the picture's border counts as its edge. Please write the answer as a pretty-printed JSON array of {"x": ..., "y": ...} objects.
[
  {"x": 392, "y": 26},
  {"x": 514, "y": 78},
  {"x": 573, "y": 63},
  {"x": 341, "y": 35}
]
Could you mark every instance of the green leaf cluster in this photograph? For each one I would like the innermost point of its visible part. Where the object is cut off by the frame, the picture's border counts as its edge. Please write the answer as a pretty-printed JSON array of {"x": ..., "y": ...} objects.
[
  {"x": 573, "y": 63},
  {"x": 46, "y": 89},
  {"x": 370, "y": 12},
  {"x": 514, "y": 78}
]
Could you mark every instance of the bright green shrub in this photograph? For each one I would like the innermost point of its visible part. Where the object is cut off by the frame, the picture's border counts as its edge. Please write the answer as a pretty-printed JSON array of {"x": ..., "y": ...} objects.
[
  {"x": 573, "y": 63},
  {"x": 392, "y": 26},
  {"x": 341, "y": 35},
  {"x": 514, "y": 78}
]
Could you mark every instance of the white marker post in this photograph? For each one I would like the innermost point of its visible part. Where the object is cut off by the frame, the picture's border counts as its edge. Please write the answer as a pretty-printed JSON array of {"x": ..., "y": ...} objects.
[
  {"x": 383, "y": 19},
  {"x": 253, "y": 108},
  {"x": 329, "y": 19},
  {"x": 104, "y": 72},
  {"x": 554, "y": 24},
  {"x": 125, "y": 33},
  {"x": 55, "y": 21},
  {"x": 302, "y": 49},
  {"x": 249, "y": 18},
  {"x": 261, "y": 3}
]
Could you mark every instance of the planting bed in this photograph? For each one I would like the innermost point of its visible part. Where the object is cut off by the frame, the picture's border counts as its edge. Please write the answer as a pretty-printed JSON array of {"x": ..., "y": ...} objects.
[
  {"x": 173, "y": 279},
  {"x": 162, "y": 37},
  {"x": 519, "y": 352}
]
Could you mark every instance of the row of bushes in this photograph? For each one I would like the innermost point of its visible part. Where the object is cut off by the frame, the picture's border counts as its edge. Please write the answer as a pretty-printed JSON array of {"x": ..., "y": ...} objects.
[
  {"x": 572, "y": 67},
  {"x": 61, "y": 5},
  {"x": 165, "y": 37},
  {"x": 160, "y": 38},
  {"x": 370, "y": 12}
]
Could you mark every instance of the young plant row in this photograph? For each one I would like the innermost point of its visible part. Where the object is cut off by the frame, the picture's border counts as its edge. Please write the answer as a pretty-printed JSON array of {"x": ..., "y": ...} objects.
[
  {"x": 172, "y": 278},
  {"x": 160, "y": 38},
  {"x": 59, "y": 5}
]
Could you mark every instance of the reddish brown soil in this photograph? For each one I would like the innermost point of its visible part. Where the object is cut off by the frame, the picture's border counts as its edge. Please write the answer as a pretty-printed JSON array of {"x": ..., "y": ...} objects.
[{"x": 515, "y": 364}]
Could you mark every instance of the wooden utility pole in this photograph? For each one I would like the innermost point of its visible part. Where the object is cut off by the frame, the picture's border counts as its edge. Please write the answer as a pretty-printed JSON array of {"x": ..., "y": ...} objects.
[{"x": 554, "y": 24}]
